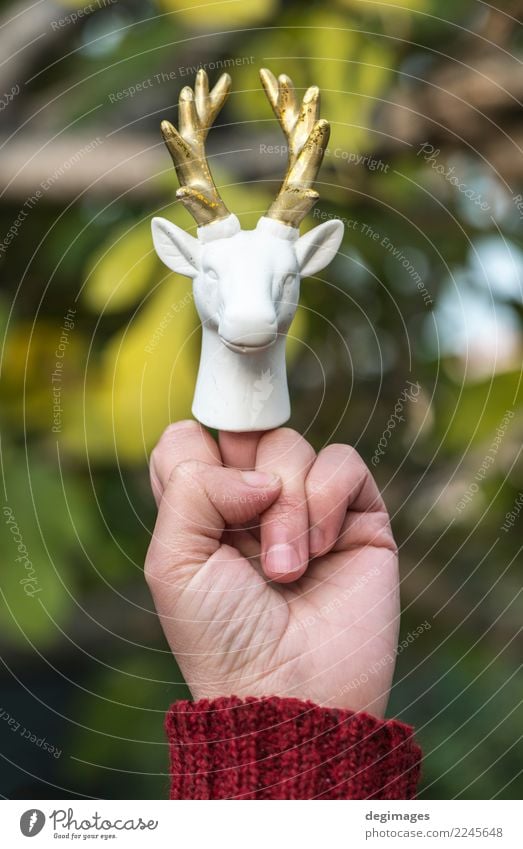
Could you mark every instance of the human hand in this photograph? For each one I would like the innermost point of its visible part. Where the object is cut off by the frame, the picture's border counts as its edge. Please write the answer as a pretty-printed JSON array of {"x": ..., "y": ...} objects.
[{"x": 284, "y": 584}]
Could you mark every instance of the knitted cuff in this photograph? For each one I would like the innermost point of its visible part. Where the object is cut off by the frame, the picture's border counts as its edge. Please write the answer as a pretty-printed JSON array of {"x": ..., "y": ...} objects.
[{"x": 276, "y": 748}]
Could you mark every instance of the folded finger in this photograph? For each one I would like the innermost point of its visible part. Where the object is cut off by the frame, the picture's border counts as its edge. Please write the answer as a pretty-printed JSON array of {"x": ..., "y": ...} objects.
[
  {"x": 184, "y": 440},
  {"x": 340, "y": 484},
  {"x": 198, "y": 501}
]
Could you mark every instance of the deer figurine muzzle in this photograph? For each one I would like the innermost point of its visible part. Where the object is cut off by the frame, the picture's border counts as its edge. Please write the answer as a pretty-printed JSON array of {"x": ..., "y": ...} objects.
[{"x": 245, "y": 282}]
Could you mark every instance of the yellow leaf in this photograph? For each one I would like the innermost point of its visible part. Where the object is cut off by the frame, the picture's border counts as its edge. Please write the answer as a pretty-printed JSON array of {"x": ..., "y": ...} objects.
[
  {"x": 36, "y": 375},
  {"x": 145, "y": 380},
  {"x": 121, "y": 270},
  {"x": 385, "y": 6},
  {"x": 228, "y": 12}
]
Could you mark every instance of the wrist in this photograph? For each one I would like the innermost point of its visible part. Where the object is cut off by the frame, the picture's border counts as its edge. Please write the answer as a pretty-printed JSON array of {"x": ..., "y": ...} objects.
[{"x": 352, "y": 699}]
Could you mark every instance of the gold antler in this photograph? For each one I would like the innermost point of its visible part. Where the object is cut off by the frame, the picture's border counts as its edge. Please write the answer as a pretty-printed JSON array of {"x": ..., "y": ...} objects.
[
  {"x": 197, "y": 111},
  {"x": 307, "y": 136}
]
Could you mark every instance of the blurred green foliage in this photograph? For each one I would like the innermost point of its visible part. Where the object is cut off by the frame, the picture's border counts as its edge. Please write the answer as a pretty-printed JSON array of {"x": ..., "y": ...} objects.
[{"x": 80, "y": 494}]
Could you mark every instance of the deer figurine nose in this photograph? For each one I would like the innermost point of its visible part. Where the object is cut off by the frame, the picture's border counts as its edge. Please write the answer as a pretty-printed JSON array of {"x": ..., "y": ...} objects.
[{"x": 240, "y": 331}]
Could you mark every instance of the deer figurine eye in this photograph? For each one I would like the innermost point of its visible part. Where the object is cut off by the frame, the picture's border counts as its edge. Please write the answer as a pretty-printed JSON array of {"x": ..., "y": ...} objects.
[{"x": 211, "y": 274}]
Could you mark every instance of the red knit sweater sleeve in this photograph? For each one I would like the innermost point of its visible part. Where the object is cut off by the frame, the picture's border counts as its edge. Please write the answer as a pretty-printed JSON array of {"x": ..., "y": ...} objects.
[{"x": 276, "y": 748}]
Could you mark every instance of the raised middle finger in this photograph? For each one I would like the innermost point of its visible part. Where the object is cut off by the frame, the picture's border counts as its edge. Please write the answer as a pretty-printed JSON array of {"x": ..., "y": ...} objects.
[{"x": 285, "y": 525}]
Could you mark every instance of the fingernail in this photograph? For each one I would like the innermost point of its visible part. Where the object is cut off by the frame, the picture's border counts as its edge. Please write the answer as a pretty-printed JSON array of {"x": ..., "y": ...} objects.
[
  {"x": 259, "y": 479},
  {"x": 316, "y": 541},
  {"x": 282, "y": 559}
]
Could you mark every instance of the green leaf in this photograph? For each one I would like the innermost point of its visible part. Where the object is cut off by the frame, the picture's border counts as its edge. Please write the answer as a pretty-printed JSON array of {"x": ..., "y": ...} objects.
[{"x": 481, "y": 408}]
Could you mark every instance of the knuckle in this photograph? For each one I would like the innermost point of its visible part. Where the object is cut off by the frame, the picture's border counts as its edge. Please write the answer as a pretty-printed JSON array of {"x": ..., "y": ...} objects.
[
  {"x": 171, "y": 432},
  {"x": 286, "y": 509},
  {"x": 187, "y": 471},
  {"x": 343, "y": 451},
  {"x": 286, "y": 442},
  {"x": 341, "y": 470},
  {"x": 345, "y": 456},
  {"x": 153, "y": 459},
  {"x": 297, "y": 441},
  {"x": 288, "y": 433},
  {"x": 383, "y": 535},
  {"x": 309, "y": 453},
  {"x": 175, "y": 429},
  {"x": 317, "y": 487}
]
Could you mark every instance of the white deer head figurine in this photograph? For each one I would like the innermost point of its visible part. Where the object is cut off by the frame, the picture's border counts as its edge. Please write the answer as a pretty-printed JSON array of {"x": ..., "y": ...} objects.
[{"x": 245, "y": 282}]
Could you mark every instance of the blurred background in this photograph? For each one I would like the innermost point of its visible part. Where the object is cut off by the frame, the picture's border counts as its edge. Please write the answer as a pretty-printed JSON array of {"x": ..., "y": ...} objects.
[{"x": 408, "y": 346}]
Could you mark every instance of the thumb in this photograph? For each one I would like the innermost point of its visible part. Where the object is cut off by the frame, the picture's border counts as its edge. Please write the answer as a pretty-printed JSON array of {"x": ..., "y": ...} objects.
[{"x": 197, "y": 503}]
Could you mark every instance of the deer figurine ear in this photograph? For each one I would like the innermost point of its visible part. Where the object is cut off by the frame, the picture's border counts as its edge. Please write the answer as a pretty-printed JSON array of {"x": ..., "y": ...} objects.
[
  {"x": 177, "y": 249},
  {"x": 318, "y": 247}
]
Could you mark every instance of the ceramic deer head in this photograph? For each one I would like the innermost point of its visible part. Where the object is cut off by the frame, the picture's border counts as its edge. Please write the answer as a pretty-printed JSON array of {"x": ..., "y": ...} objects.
[{"x": 245, "y": 282}]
